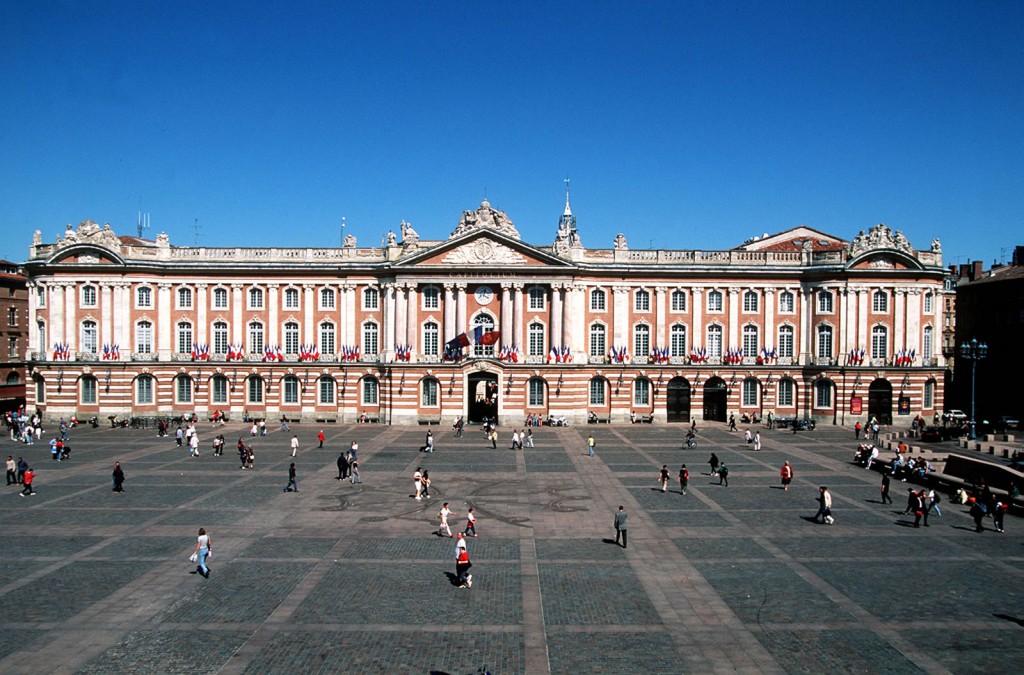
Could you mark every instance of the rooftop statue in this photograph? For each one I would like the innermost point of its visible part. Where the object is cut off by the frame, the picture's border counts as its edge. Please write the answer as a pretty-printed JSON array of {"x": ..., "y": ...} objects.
[{"x": 483, "y": 218}]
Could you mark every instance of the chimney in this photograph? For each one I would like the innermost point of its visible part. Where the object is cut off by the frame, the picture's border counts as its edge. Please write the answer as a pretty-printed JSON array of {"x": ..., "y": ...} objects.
[
  {"x": 1018, "y": 256},
  {"x": 977, "y": 269},
  {"x": 963, "y": 270}
]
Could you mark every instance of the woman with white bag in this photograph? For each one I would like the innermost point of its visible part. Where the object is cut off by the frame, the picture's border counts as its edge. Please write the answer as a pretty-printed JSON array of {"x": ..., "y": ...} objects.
[{"x": 201, "y": 553}]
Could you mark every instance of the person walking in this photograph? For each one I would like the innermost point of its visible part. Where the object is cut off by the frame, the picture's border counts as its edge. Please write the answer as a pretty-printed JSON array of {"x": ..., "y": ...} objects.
[
  {"x": 353, "y": 451},
  {"x": 417, "y": 482},
  {"x": 250, "y": 458},
  {"x": 713, "y": 463},
  {"x": 462, "y": 563},
  {"x": 27, "y": 480},
  {"x": 425, "y": 480},
  {"x": 998, "y": 511},
  {"x": 527, "y": 437},
  {"x": 590, "y": 444},
  {"x": 202, "y": 552},
  {"x": 429, "y": 444},
  {"x": 443, "y": 529},
  {"x": 342, "y": 466},
  {"x": 824, "y": 506},
  {"x": 748, "y": 437},
  {"x": 179, "y": 435},
  {"x": 193, "y": 444},
  {"x": 663, "y": 477},
  {"x": 458, "y": 426},
  {"x": 22, "y": 468},
  {"x": 723, "y": 475},
  {"x": 295, "y": 444},
  {"x": 621, "y": 527},
  {"x": 684, "y": 479},
  {"x": 515, "y": 440},
  {"x": 886, "y": 498},
  {"x": 786, "y": 474},
  {"x": 757, "y": 441},
  {"x": 356, "y": 478},
  {"x": 917, "y": 506},
  {"x": 470, "y": 523},
  {"x": 856, "y": 431},
  {"x": 320, "y": 437},
  {"x": 493, "y": 435},
  {"x": 12, "y": 471},
  {"x": 118, "y": 477},
  {"x": 933, "y": 504},
  {"x": 732, "y": 422},
  {"x": 293, "y": 483}
]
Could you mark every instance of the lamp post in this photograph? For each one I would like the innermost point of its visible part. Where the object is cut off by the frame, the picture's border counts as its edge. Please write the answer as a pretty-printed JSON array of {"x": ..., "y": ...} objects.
[{"x": 973, "y": 351}]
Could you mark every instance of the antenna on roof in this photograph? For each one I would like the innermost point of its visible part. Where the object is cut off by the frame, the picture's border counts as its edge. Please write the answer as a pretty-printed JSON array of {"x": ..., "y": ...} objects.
[
  {"x": 341, "y": 237},
  {"x": 195, "y": 224},
  {"x": 143, "y": 223}
]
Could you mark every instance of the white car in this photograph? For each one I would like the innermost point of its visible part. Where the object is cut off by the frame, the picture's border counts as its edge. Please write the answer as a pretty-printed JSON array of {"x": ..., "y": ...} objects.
[{"x": 955, "y": 415}]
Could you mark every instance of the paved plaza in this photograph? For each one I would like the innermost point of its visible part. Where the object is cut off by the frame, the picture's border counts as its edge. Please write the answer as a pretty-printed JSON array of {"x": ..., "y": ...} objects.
[{"x": 353, "y": 578}]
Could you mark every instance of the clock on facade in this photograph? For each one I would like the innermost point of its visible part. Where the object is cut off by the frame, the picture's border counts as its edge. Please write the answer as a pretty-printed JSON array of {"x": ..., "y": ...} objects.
[{"x": 484, "y": 295}]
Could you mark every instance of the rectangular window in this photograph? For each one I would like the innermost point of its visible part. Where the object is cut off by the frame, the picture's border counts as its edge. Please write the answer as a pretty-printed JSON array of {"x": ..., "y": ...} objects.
[
  {"x": 823, "y": 395},
  {"x": 88, "y": 296},
  {"x": 370, "y": 298},
  {"x": 144, "y": 297},
  {"x": 678, "y": 301},
  {"x": 291, "y": 390},
  {"x": 786, "y": 342},
  {"x": 184, "y": 338},
  {"x": 536, "y": 392},
  {"x": 786, "y": 393},
  {"x": 369, "y": 391},
  {"x": 750, "y": 391},
  {"x": 41, "y": 296},
  {"x": 184, "y": 390},
  {"x": 220, "y": 390},
  {"x": 88, "y": 390},
  {"x": 537, "y": 297},
  {"x": 429, "y": 393},
  {"x": 642, "y": 301},
  {"x": 144, "y": 338},
  {"x": 291, "y": 298},
  {"x": 220, "y": 338},
  {"x": 431, "y": 298},
  {"x": 598, "y": 344},
  {"x": 220, "y": 298},
  {"x": 255, "y": 298},
  {"x": 144, "y": 389},
  {"x": 291, "y": 338},
  {"x": 929, "y": 395},
  {"x": 715, "y": 301},
  {"x": 597, "y": 300},
  {"x": 184, "y": 298},
  {"x": 536, "y": 340},
  {"x": 255, "y": 390},
  {"x": 326, "y": 390},
  {"x": 12, "y": 317},
  {"x": 642, "y": 392},
  {"x": 825, "y": 344},
  {"x": 431, "y": 339},
  {"x": 12, "y": 344},
  {"x": 597, "y": 392},
  {"x": 326, "y": 298},
  {"x": 786, "y": 302}
]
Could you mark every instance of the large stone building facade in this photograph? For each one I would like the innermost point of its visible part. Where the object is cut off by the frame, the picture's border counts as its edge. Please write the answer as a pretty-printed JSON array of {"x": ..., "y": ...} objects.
[
  {"x": 14, "y": 332},
  {"x": 482, "y": 324}
]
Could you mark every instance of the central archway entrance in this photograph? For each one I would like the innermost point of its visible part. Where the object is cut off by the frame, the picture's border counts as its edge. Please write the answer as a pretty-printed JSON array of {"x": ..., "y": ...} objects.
[
  {"x": 677, "y": 400},
  {"x": 483, "y": 397},
  {"x": 880, "y": 401},
  {"x": 716, "y": 396}
]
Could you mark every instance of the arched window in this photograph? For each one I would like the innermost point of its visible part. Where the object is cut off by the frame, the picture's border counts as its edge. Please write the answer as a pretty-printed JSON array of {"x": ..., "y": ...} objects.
[
  {"x": 87, "y": 387},
  {"x": 879, "y": 302},
  {"x": 751, "y": 342},
  {"x": 220, "y": 298},
  {"x": 13, "y": 378},
  {"x": 184, "y": 298},
  {"x": 431, "y": 297},
  {"x": 144, "y": 337},
  {"x": 184, "y": 337},
  {"x": 431, "y": 339},
  {"x": 641, "y": 340},
  {"x": 220, "y": 337},
  {"x": 641, "y": 391},
  {"x": 255, "y": 387},
  {"x": 535, "y": 392},
  {"x": 371, "y": 298},
  {"x": 927, "y": 342},
  {"x": 88, "y": 296},
  {"x": 929, "y": 395},
  {"x": 326, "y": 390},
  {"x": 326, "y": 298},
  {"x": 879, "y": 342},
  {"x": 40, "y": 389},
  {"x": 255, "y": 337},
  {"x": 598, "y": 391},
  {"x": 255, "y": 298},
  {"x": 144, "y": 297},
  {"x": 715, "y": 301},
  {"x": 787, "y": 392},
  {"x": 144, "y": 390},
  {"x": 41, "y": 332},
  {"x": 823, "y": 393},
  {"x": 327, "y": 346},
  {"x": 825, "y": 342},
  {"x": 90, "y": 337},
  {"x": 371, "y": 344},
  {"x": 598, "y": 343},
  {"x": 751, "y": 302},
  {"x": 751, "y": 392},
  {"x": 929, "y": 303},
  {"x": 291, "y": 298},
  {"x": 597, "y": 300},
  {"x": 678, "y": 340},
  {"x": 642, "y": 301},
  {"x": 219, "y": 389},
  {"x": 290, "y": 387},
  {"x": 787, "y": 303},
  {"x": 538, "y": 295},
  {"x": 678, "y": 301},
  {"x": 535, "y": 341},
  {"x": 785, "y": 346},
  {"x": 183, "y": 389},
  {"x": 370, "y": 391},
  {"x": 714, "y": 341},
  {"x": 429, "y": 392},
  {"x": 824, "y": 302},
  {"x": 291, "y": 338},
  {"x": 485, "y": 321}
]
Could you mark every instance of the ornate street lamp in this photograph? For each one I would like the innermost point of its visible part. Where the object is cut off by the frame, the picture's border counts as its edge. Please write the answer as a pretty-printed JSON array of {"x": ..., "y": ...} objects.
[{"x": 973, "y": 351}]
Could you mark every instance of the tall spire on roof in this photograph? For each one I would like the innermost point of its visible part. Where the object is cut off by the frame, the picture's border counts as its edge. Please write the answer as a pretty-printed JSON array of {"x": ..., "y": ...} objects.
[
  {"x": 567, "y": 238},
  {"x": 568, "y": 211}
]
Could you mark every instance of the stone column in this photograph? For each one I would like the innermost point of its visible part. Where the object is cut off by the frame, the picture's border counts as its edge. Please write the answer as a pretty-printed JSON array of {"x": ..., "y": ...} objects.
[
  {"x": 518, "y": 318},
  {"x": 733, "y": 332},
  {"x": 770, "y": 339},
  {"x": 273, "y": 315},
  {"x": 506, "y": 314},
  {"x": 412, "y": 319},
  {"x": 202, "y": 320},
  {"x": 620, "y": 318},
  {"x": 388, "y": 321},
  {"x": 164, "y": 322},
  {"x": 55, "y": 326},
  {"x": 237, "y": 327},
  {"x": 460, "y": 309},
  {"x": 449, "y": 312},
  {"x": 346, "y": 315},
  {"x": 898, "y": 311},
  {"x": 106, "y": 335},
  {"x": 570, "y": 311},
  {"x": 555, "y": 332},
  {"x": 697, "y": 309},
  {"x": 401, "y": 315},
  {"x": 863, "y": 334},
  {"x": 32, "y": 330},
  {"x": 660, "y": 317},
  {"x": 309, "y": 335},
  {"x": 843, "y": 324},
  {"x": 804, "y": 339},
  {"x": 912, "y": 320}
]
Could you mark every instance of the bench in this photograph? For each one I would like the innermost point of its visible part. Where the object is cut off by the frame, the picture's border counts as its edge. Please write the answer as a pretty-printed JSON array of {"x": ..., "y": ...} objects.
[
  {"x": 599, "y": 419},
  {"x": 429, "y": 421},
  {"x": 645, "y": 419},
  {"x": 368, "y": 419}
]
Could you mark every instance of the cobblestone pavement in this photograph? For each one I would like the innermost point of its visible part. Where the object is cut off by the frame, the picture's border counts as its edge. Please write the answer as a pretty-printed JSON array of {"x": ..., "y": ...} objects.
[{"x": 354, "y": 578}]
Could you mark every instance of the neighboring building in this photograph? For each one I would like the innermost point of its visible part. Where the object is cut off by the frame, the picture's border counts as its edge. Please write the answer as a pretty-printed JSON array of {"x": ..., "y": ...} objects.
[
  {"x": 14, "y": 334},
  {"x": 990, "y": 308},
  {"x": 800, "y": 323}
]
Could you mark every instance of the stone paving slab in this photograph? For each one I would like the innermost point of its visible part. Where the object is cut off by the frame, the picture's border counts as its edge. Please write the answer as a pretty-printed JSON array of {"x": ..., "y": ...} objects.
[{"x": 352, "y": 578}]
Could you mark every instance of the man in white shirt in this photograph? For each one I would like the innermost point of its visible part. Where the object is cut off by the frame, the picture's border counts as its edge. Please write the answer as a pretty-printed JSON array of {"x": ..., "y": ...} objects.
[
  {"x": 417, "y": 482},
  {"x": 295, "y": 444}
]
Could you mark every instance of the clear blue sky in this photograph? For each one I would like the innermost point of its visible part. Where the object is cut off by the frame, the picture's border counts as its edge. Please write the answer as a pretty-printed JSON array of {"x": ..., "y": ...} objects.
[{"x": 681, "y": 124}]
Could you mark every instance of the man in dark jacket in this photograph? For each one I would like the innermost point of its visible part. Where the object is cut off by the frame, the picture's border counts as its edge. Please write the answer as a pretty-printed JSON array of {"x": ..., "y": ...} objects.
[{"x": 620, "y": 526}]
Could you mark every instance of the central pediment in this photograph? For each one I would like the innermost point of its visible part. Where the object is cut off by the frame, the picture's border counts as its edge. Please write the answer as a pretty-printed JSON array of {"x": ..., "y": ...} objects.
[{"x": 483, "y": 248}]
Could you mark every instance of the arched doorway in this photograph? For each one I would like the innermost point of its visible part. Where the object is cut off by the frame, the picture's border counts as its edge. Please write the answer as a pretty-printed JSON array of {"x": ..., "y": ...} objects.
[
  {"x": 716, "y": 396},
  {"x": 880, "y": 401},
  {"x": 677, "y": 400},
  {"x": 483, "y": 397}
]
